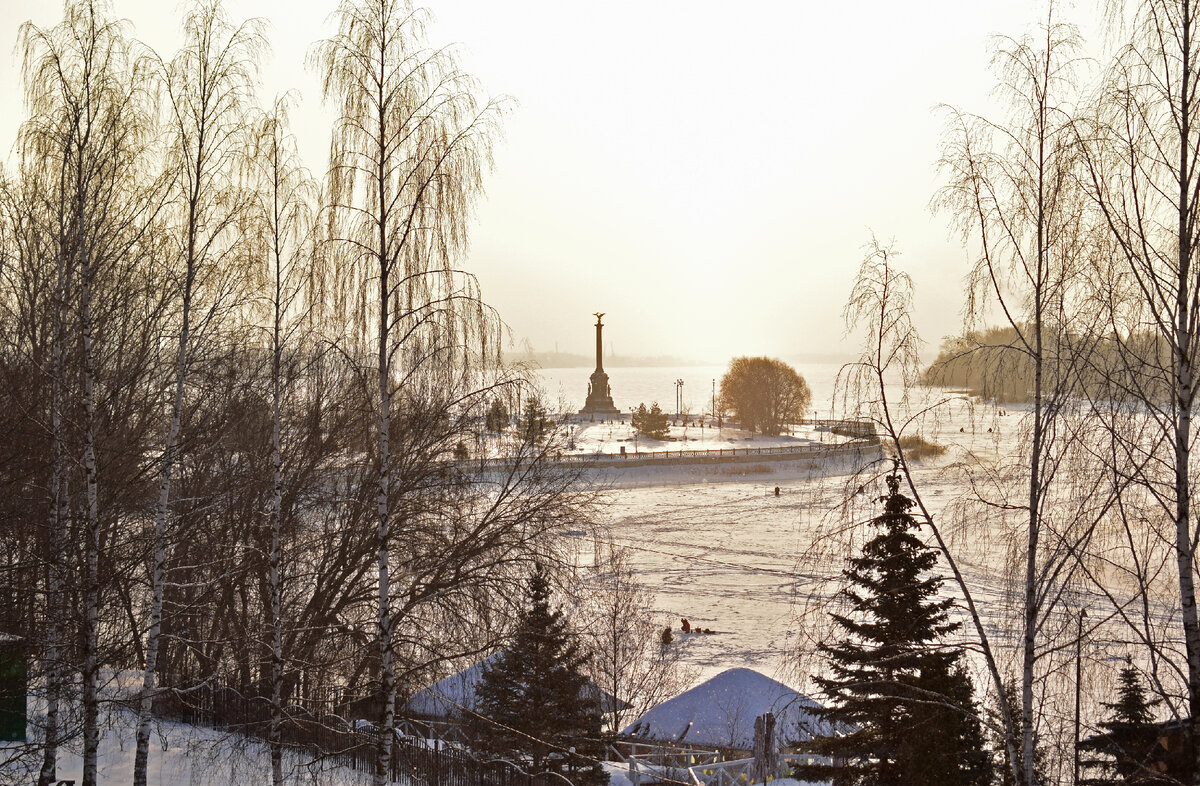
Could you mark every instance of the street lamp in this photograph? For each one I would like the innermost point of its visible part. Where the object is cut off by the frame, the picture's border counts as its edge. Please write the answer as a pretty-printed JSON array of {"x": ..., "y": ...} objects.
[
  {"x": 1078, "y": 685},
  {"x": 632, "y": 411},
  {"x": 679, "y": 398}
]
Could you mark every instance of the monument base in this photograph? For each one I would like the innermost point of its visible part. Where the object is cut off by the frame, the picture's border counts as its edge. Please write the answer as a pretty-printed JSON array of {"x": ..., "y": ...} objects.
[
  {"x": 601, "y": 407},
  {"x": 599, "y": 399}
]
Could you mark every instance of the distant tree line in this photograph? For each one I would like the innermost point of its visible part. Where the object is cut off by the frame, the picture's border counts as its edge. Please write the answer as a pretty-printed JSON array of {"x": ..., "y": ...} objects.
[{"x": 990, "y": 363}]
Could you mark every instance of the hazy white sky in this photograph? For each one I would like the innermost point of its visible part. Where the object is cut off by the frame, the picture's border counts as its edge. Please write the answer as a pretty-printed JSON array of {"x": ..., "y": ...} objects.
[{"x": 706, "y": 173}]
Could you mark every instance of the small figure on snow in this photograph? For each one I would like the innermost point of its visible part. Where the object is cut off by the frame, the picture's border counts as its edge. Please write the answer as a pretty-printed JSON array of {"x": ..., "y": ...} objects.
[{"x": 687, "y": 626}]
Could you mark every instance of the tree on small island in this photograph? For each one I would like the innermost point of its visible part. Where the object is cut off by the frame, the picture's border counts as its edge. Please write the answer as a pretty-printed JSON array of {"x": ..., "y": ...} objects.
[
  {"x": 650, "y": 422},
  {"x": 764, "y": 393}
]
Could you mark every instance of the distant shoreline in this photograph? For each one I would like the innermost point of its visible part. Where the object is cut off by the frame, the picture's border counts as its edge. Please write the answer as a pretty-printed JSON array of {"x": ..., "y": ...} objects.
[{"x": 572, "y": 360}]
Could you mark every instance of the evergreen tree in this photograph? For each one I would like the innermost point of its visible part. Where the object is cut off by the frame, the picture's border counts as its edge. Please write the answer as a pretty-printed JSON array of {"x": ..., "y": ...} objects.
[
  {"x": 1131, "y": 707},
  {"x": 900, "y": 708},
  {"x": 946, "y": 743},
  {"x": 496, "y": 418},
  {"x": 534, "y": 424},
  {"x": 534, "y": 700},
  {"x": 1130, "y": 738},
  {"x": 650, "y": 422}
]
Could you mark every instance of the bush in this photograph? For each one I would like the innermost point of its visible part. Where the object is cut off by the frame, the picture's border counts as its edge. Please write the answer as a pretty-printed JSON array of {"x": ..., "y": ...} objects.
[{"x": 918, "y": 448}]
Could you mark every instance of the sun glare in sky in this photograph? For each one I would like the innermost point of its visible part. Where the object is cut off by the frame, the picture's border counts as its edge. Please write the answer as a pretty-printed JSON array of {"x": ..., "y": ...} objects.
[{"x": 706, "y": 173}]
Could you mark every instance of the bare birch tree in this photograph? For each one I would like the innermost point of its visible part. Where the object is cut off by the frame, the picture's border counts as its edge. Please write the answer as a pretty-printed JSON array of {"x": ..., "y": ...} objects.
[
  {"x": 1012, "y": 191},
  {"x": 34, "y": 239},
  {"x": 286, "y": 211},
  {"x": 630, "y": 660},
  {"x": 410, "y": 148},
  {"x": 93, "y": 124},
  {"x": 208, "y": 87},
  {"x": 1141, "y": 145}
]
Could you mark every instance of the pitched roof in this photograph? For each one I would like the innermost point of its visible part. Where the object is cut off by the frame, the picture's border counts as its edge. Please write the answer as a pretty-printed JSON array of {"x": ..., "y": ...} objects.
[
  {"x": 446, "y": 698},
  {"x": 721, "y": 712}
]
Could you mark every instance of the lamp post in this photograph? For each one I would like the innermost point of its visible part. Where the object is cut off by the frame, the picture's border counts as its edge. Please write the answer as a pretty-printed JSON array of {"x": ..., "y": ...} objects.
[
  {"x": 679, "y": 398},
  {"x": 632, "y": 411},
  {"x": 1078, "y": 685}
]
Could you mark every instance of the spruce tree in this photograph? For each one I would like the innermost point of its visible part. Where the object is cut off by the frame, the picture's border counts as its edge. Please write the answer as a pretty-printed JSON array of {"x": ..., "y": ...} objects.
[
  {"x": 1131, "y": 707},
  {"x": 533, "y": 699},
  {"x": 899, "y": 707},
  {"x": 650, "y": 422},
  {"x": 1130, "y": 736},
  {"x": 534, "y": 424}
]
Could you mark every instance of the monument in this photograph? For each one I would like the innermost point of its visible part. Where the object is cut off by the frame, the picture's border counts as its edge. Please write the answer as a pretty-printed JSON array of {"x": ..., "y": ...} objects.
[{"x": 599, "y": 397}]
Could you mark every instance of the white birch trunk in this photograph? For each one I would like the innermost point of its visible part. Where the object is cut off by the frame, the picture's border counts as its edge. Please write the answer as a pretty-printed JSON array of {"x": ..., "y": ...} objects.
[
  {"x": 91, "y": 594},
  {"x": 387, "y": 677},
  {"x": 1185, "y": 395},
  {"x": 1032, "y": 610},
  {"x": 274, "y": 732},
  {"x": 158, "y": 569},
  {"x": 1185, "y": 387},
  {"x": 56, "y": 535}
]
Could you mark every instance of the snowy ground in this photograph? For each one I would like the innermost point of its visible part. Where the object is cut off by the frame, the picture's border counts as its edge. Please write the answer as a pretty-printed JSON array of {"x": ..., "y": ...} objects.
[
  {"x": 182, "y": 755},
  {"x": 734, "y": 557},
  {"x": 609, "y": 436},
  {"x": 719, "y": 549},
  {"x": 179, "y": 755}
]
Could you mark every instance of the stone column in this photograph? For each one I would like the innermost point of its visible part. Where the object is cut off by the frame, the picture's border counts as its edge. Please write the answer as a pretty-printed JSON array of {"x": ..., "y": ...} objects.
[
  {"x": 599, "y": 345},
  {"x": 599, "y": 399}
]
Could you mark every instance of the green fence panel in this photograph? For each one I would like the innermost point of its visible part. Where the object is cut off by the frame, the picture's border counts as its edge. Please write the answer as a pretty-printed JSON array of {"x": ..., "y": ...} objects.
[{"x": 13, "y": 689}]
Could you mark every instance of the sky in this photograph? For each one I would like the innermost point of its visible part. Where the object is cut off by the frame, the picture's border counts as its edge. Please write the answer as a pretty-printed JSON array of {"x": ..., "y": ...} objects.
[{"x": 705, "y": 173}]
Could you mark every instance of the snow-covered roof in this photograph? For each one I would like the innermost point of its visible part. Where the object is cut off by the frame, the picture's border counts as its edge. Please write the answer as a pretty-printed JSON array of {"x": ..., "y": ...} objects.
[
  {"x": 721, "y": 712},
  {"x": 447, "y": 697}
]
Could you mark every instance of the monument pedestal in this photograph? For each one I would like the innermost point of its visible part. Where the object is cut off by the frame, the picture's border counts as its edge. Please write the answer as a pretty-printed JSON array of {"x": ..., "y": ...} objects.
[{"x": 599, "y": 398}]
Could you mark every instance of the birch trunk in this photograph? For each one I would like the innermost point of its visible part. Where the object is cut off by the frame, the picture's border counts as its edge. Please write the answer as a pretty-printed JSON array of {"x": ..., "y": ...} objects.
[
  {"x": 91, "y": 594},
  {"x": 1032, "y": 610},
  {"x": 56, "y": 536},
  {"x": 162, "y": 511},
  {"x": 1185, "y": 395},
  {"x": 274, "y": 731},
  {"x": 387, "y": 677}
]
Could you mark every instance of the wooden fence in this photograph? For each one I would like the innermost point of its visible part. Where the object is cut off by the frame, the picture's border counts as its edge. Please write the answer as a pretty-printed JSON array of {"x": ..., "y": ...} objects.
[
  {"x": 650, "y": 769},
  {"x": 856, "y": 448},
  {"x": 422, "y": 753},
  {"x": 655, "y": 763}
]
